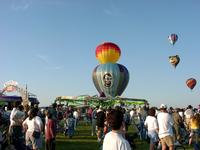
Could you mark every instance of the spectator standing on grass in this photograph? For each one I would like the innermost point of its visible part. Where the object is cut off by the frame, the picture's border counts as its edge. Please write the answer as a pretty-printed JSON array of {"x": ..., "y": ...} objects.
[
  {"x": 16, "y": 129},
  {"x": 94, "y": 120},
  {"x": 165, "y": 123},
  {"x": 188, "y": 115},
  {"x": 100, "y": 123},
  {"x": 127, "y": 121},
  {"x": 70, "y": 125},
  {"x": 177, "y": 126},
  {"x": 194, "y": 127},
  {"x": 50, "y": 133},
  {"x": 114, "y": 140},
  {"x": 89, "y": 115},
  {"x": 31, "y": 124},
  {"x": 76, "y": 118},
  {"x": 151, "y": 124}
]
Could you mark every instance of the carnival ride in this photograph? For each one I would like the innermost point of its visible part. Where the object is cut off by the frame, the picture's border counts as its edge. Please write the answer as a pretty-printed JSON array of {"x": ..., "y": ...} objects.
[
  {"x": 92, "y": 101},
  {"x": 25, "y": 97}
]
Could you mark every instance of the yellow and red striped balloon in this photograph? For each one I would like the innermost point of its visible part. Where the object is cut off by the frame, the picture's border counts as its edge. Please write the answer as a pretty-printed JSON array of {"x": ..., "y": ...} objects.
[{"x": 108, "y": 52}]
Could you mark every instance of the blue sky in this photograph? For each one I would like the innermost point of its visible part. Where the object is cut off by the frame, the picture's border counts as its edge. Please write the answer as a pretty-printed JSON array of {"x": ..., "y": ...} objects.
[{"x": 50, "y": 46}]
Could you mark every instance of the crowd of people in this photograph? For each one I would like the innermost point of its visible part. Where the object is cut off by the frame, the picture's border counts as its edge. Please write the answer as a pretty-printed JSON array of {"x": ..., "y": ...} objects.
[
  {"x": 173, "y": 126},
  {"x": 29, "y": 126},
  {"x": 26, "y": 127}
]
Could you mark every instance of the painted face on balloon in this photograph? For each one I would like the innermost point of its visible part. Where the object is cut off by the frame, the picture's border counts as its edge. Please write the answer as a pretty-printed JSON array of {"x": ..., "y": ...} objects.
[
  {"x": 173, "y": 60},
  {"x": 107, "y": 78}
]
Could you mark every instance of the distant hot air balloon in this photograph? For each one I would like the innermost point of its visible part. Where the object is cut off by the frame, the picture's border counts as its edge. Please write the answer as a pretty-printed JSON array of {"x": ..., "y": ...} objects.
[
  {"x": 108, "y": 53},
  {"x": 174, "y": 60},
  {"x": 173, "y": 38},
  {"x": 191, "y": 82},
  {"x": 110, "y": 79}
]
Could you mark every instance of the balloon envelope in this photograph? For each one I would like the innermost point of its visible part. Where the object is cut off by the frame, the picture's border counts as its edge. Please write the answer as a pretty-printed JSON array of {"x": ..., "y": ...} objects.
[
  {"x": 107, "y": 53},
  {"x": 174, "y": 60},
  {"x": 110, "y": 79},
  {"x": 191, "y": 82},
  {"x": 173, "y": 38}
]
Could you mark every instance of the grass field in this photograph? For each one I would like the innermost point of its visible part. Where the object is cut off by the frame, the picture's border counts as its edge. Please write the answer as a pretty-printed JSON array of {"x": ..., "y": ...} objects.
[{"x": 82, "y": 140}]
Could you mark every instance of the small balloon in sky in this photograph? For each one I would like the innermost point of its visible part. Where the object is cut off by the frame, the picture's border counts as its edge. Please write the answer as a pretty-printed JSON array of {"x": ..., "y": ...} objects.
[
  {"x": 173, "y": 38},
  {"x": 191, "y": 83},
  {"x": 174, "y": 60},
  {"x": 108, "y": 52}
]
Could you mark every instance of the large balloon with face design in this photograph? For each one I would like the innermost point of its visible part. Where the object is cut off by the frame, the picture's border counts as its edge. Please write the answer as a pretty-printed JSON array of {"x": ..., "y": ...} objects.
[
  {"x": 110, "y": 79},
  {"x": 174, "y": 60},
  {"x": 107, "y": 52}
]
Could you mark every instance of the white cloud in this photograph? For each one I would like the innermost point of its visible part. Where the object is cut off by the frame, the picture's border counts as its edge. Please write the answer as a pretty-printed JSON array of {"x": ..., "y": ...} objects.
[
  {"x": 20, "y": 5},
  {"x": 47, "y": 62},
  {"x": 43, "y": 58},
  {"x": 112, "y": 9},
  {"x": 55, "y": 68}
]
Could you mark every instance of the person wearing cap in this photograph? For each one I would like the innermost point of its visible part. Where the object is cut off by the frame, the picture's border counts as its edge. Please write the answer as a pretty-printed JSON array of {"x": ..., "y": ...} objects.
[
  {"x": 165, "y": 123},
  {"x": 177, "y": 126},
  {"x": 189, "y": 113}
]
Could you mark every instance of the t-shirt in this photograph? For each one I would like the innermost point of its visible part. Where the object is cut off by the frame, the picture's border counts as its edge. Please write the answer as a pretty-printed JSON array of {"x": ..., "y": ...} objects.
[
  {"x": 75, "y": 114},
  {"x": 165, "y": 123},
  {"x": 115, "y": 141},
  {"x": 176, "y": 118},
  {"x": 188, "y": 113},
  {"x": 50, "y": 131},
  {"x": 151, "y": 123}
]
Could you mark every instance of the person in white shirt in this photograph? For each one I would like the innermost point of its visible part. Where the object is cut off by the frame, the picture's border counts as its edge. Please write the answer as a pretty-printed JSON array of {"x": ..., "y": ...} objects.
[
  {"x": 12, "y": 115},
  {"x": 31, "y": 124},
  {"x": 16, "y": 131},
  {"x": 151, "y": 124},
  {"x": 189, "y": 113},
  {"x": 75, "y": 115},
  {"x": 114, "y": 139},
  {"x": 165, "y": 123}
]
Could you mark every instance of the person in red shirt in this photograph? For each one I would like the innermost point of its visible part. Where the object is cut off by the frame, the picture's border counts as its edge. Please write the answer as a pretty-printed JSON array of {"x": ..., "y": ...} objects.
[{"x": 50, "y": 132}]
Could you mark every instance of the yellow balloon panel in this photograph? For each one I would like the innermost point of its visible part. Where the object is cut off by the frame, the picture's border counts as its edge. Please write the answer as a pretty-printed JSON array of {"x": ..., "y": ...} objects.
[{"x": 108, "y": 56}]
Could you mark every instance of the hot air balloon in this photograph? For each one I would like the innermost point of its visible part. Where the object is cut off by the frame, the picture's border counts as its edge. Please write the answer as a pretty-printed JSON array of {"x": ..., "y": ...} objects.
[
  {"x": 174, "y": 60},
  {"x": 110, "y": 79},
  {"x": 107, "y": 53},
  {"x": 191, "y": 82},
  {"x": 173, "y": 38}
]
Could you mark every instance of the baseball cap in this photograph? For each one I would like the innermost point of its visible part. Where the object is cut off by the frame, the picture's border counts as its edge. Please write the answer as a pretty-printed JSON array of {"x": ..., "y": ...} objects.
[{"x": 163, "y": 106}]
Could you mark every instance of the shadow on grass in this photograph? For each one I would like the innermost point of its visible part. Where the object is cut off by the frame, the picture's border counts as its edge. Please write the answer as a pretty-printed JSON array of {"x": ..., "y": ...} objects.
[{"x": 77, "y": 145}]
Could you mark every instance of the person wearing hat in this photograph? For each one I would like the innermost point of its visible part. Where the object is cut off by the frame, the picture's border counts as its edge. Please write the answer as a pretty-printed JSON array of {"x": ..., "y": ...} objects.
[
  {"x": 189, "y": 113},
  {"x": 177, "y": 126},
  {"x": 165, "y": 123}
]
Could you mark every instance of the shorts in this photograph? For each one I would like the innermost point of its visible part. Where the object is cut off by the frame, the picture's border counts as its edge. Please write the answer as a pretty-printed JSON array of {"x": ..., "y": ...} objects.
[
  {"x": 168, "y": 140},
  {"x": 153, "y": 137},
  {"x": 194, "y": 132}
]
